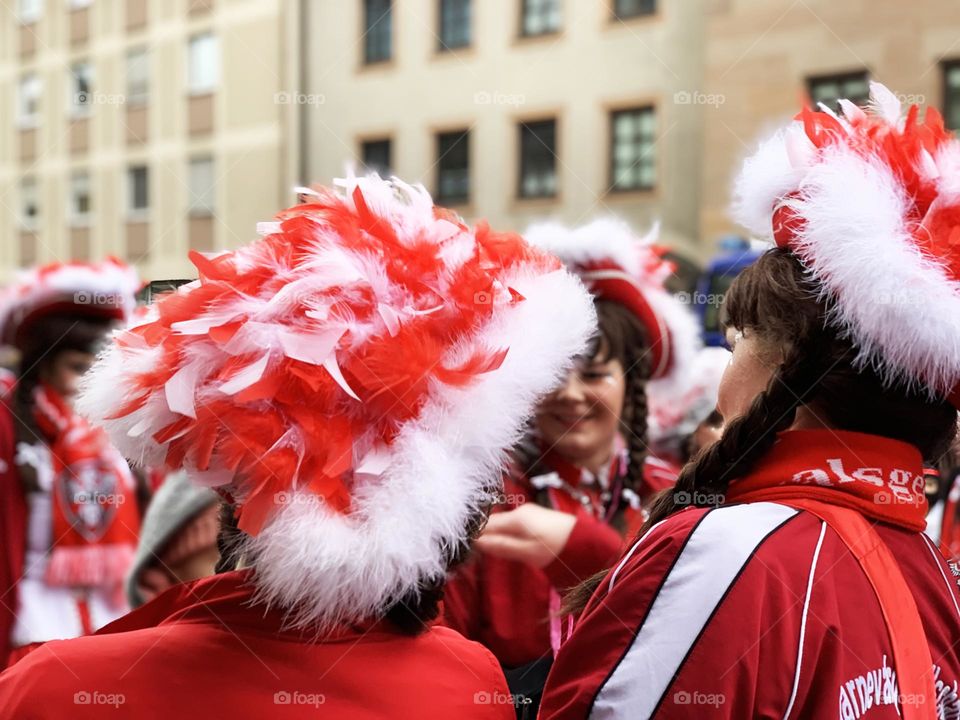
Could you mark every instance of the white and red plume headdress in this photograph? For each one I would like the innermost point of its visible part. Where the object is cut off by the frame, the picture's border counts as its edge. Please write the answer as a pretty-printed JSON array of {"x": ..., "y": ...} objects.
[
  {"x": 617, "y": 265},
  {"x": 870, "y": 204},
  {"x": 104, "y": 289},
  {"x": 351, "y": 381}
]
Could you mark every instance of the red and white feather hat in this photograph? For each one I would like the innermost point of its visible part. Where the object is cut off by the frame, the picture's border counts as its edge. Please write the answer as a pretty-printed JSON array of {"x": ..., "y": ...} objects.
[
  {"x": 99, "y": 289},
  {"x": 351, "y": 381},
  {"x": 870, "y": 204},
  {"x": 617, "y": 265}
]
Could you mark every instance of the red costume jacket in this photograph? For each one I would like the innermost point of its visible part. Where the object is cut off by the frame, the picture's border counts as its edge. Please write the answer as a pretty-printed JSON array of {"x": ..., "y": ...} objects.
[
  {"x": 757, "y": 609},
  {"x": 201, "y": 650},
  {"x": 505, "y": 604},
  {"x": 13, "y": 529}
]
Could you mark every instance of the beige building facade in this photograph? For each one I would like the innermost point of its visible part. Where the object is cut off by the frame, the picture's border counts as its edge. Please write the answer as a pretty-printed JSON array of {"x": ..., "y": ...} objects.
[
  {"x": 764, "y": 56},
  {"x": 144, "y": 128},
  {"x": 137, "y": 128}
]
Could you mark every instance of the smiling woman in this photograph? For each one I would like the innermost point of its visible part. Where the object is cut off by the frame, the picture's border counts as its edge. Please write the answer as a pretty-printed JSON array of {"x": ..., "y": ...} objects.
[{"x": 582, "y": 478}]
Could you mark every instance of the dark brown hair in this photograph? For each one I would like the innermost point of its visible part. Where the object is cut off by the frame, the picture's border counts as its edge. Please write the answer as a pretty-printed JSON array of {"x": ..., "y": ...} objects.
[{"x": 777, "y": 300}]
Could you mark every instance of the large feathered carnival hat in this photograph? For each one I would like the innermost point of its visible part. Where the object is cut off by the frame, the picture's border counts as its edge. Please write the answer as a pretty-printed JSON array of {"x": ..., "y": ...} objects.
[
  {"x": 870, "y": 204},
  {"x": 103, "y": 289},
  {"x": 351, "y": 381},
  {"x": 617, "y": 265}
]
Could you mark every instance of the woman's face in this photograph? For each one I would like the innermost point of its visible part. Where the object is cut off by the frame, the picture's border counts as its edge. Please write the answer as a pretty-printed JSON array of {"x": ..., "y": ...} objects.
[
  {"x": 581, "y": 418},
  {"x": 752, "y": 364},
  {"x": 64, "y": 371}
]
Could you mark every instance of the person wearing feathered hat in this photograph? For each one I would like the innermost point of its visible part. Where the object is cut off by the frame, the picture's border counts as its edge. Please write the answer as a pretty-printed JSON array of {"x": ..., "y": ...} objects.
[
  {"x": 584, "y": 475},
  {"x": 812, "y": 591},
  {"x": 348, "y": 384},
  {"x": 68, "y": 501}
]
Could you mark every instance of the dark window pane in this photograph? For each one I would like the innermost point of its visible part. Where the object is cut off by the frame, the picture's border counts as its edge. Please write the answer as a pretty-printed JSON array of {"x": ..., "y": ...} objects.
[
  {"x": 454, "y": 24},
  {"x": 377, "y": 30},
  {"x": 623, "y": 9},
  {"x": 540, "y": 17},
  {"x": 633, "y": 137},
  {"x": 453, "y": 167},
  {"x": 538, "y": 159},
  {"x": 376, "y": 156},
  {"x": 139, "y": 195},
  {"x": 828, "y": 89},
  {"x": 951, "y": 95}
]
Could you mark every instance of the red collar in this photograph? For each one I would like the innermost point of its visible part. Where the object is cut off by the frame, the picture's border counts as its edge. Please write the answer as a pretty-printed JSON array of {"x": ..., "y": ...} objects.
[
  {"x": 877, "y": 476},
  {"x": 227, "y": 600}
]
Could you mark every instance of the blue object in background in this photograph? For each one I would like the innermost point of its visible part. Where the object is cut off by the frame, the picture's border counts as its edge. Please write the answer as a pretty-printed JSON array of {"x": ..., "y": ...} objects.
[{"x": 735, "y": 253}]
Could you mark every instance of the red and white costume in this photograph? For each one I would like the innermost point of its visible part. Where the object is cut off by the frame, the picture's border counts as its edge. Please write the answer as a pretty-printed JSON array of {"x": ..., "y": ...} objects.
[
  {"x": 506, "y": 604},
  {"x": 66, "y": 547},
  {"x": 757, "y": 609},
  {"x": 350, "y": 383},
  {"x": 813, "y": 592}
]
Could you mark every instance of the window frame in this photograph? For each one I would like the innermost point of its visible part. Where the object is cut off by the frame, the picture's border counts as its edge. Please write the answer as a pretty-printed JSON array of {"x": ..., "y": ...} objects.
[
  {"x": 463, "y": 135},
  {"x": 525, "y": 124},
  {"x": 612, "y": 115},
  {"x": 198, "y": 83}
]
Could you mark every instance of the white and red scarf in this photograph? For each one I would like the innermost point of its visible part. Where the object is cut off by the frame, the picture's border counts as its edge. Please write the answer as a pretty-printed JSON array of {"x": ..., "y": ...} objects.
[
  {"x": 95, "y": 517},
  {"x": 876, "y": 476}
]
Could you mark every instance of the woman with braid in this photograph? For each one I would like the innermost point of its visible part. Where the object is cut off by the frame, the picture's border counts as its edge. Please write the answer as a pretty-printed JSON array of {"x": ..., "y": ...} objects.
[
  {"x": 812, "y": 591},
  {"x": 582, "y": 478}
]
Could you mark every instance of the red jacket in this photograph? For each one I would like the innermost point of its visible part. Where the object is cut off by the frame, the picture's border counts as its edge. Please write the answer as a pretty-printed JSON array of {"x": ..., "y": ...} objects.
[
  {"x": 201, "y": 651},
  {"x": 13, "y": 529},
  {"x": 758, "y": 610},
  {"x": 505, "y": 604}
]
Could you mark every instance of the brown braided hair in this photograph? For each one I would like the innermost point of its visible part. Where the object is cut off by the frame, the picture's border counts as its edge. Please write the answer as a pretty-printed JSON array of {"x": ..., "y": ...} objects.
[{"x": 776, "y": 299}]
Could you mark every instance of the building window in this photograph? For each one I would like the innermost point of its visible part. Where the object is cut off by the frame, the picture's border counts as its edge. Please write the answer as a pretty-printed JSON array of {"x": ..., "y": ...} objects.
[
  {"x": 951, "y": 94},
  {"x": 540, "y": 17},
  {"x": 81, "y": 89},
  {"x": 632, "y": 143},
  {"x": 376, "y": 156},
  {"x": 202, "y": 188},
  {"x": 28, "y": 101},
  {"x": 625, "y": 9},
  {"x": 203, "y": 64},
  {"x": 29, "y": 204},
  {"x": 453, "y": 167},
  {"x": 138, "y": 191},
  {"x": 828, "y": 89},
  {"x": 538, "y": 159},
  {"x": 138, "y": 76},
  {"x": 80, "y": 201},
  {"x": 377, "y": 30},
  {"x": 454, "y": 24},
  {"x": 29, "y": 11}
]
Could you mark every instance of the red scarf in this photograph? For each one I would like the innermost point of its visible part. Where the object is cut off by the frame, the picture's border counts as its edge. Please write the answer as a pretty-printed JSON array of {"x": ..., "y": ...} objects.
[
  {"x": 95, "y": 517},
  {"x": 876, "y": 476}
]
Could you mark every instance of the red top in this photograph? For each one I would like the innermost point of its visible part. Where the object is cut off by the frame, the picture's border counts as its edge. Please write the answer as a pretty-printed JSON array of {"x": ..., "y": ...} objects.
[
  {"x": 759, "y": 609},
  {"x": 13, "y": 528},
  {"x": 505, "y": 604},
  {"x": 201, "y": 650}
]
